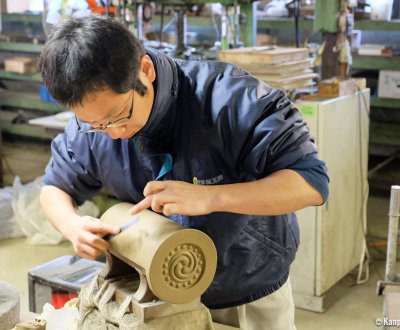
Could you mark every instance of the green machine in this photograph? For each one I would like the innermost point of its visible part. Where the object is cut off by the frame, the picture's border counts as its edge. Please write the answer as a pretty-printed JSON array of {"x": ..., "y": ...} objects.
[{"x": 237, "y": 23}]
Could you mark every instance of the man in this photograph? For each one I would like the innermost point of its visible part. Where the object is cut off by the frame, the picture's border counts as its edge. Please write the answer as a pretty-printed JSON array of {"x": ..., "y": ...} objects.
[{"x": 204, "y": 143}]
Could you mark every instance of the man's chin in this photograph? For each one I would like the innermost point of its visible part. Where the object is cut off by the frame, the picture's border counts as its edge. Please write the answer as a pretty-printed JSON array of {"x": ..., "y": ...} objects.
[{"x": 128, "y": 136}]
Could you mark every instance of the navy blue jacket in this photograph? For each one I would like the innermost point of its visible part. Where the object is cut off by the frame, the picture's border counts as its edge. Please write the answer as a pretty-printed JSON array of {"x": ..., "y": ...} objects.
[{"x": 211, "y": 123}]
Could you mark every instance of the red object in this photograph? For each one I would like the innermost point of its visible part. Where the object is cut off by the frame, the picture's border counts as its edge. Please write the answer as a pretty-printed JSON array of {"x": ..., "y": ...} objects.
[
  {"x": 58, "y": 299},
  {"x": 94, "y": 7}
]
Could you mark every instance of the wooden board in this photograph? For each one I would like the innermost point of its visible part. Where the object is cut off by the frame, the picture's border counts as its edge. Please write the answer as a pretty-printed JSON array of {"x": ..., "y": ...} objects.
[
  {"x": 278, "y": 68},
  {"x": 288, "y": 78},
  {"x": 291, "y": 82},
  {"x": 267, "y": 54},
  {"x": 20, "y": 64}
]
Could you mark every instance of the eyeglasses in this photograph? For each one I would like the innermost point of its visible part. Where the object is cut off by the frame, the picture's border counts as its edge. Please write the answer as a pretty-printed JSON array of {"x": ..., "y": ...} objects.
[{"x": 111, "y": 124}]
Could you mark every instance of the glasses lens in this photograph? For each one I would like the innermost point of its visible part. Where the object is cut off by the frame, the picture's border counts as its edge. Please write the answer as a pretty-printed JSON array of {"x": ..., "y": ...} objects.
[{"x": 102, "y": 128}]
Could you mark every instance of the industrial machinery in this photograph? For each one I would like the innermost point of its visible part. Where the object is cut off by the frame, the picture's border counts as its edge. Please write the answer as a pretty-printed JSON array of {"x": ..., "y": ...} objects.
[
  {"x": 228, "y": 34},
  {"x": 229, "y": 17}
]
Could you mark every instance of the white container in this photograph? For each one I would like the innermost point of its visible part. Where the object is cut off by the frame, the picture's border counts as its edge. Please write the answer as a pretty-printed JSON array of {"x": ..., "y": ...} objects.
[{"x": 381, "y": 10}]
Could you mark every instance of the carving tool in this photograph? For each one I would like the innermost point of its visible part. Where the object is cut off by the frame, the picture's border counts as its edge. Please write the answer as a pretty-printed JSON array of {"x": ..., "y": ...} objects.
[{"x": 122, "y": 228}]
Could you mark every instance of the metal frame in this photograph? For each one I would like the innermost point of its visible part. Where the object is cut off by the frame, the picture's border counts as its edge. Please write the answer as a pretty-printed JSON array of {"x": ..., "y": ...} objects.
[{"x": 390, "y": 287}]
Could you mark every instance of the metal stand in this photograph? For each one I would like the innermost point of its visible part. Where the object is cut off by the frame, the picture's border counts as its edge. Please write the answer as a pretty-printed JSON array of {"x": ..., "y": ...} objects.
[
  {"x": 181, "y": 28},
  {"x": 390, "y": 287}
]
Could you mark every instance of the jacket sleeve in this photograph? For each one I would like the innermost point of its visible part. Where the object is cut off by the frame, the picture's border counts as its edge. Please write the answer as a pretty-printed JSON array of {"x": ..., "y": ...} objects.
[
  {"x": 280, "y": 139},
  {"x": 72, "y": 167}
]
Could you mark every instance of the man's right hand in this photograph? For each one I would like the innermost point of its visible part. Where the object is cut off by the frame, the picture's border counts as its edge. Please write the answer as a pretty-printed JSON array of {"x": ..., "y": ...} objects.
[{"x": 86, "y": 234}]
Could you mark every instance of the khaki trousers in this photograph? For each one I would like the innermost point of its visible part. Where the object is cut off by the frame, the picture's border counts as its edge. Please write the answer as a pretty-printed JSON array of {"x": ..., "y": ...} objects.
[{"x": 273, "y": 312}]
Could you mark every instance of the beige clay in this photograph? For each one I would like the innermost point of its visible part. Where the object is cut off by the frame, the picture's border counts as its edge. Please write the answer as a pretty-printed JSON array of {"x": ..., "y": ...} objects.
[{"x": 177, "y": 264}]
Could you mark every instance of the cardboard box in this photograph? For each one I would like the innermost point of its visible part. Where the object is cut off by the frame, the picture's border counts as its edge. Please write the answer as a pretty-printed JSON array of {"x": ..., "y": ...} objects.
[
  {"x": 389, "y": 84},
  {"x": 335, "y": 87},
  {"x": 20, "y": 64}
]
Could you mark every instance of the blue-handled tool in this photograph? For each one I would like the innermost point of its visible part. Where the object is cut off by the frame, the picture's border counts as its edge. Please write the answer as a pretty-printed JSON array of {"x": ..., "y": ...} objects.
[{"x": 122, "y": 228}]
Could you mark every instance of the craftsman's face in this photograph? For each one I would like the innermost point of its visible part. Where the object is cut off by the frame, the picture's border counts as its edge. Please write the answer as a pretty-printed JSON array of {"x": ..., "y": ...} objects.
[{"x": 119, "y": 115}]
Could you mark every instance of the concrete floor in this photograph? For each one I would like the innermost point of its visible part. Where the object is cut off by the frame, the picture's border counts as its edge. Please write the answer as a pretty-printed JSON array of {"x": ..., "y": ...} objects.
[{"x": 349, "y": 306}]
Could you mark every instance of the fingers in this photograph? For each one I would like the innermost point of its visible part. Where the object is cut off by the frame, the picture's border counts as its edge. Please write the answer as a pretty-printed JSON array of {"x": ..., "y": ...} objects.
[
  {"x": 88, "y": 242},
  {"x": 171, "y": 208},
  {"x": 151, "y": 188},
  {"x": 87, "y": 252},
  {"x": 142, "y": 205},
  {"x": 98, "y": 227},
  {"x": 160, "y": 196},
  {"x": 159, "y": 204},
  {"x": 90, "y": 245},
  {"x": 154, "y": 187}
]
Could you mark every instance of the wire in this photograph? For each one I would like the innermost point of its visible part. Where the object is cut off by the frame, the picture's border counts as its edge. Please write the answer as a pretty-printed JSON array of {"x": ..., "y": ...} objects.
[{"x": 365, "y": 255}]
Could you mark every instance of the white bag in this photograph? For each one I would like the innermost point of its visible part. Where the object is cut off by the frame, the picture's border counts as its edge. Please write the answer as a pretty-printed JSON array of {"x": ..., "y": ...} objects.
[
  {"x": 30, "y": 217},
  {"x": 8, "y": 226}
]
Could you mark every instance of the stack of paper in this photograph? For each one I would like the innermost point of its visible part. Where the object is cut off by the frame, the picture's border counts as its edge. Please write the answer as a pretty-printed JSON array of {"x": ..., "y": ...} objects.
[{"x": 280, "y": 67}]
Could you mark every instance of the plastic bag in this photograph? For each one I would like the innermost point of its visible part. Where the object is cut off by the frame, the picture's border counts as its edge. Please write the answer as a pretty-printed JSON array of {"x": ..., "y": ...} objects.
[
  {"x": 8, "y": 226},
  {"x": 30, "y": 217},
  {"x": 65, "y": 318}
]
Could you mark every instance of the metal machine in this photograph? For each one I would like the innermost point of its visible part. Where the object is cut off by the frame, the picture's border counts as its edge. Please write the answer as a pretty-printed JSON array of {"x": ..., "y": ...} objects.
[{"x": 234, "y": 14}]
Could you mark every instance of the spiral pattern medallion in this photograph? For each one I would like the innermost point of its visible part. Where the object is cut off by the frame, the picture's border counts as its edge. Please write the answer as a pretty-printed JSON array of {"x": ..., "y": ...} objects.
[{"x": 184, "y": 266}]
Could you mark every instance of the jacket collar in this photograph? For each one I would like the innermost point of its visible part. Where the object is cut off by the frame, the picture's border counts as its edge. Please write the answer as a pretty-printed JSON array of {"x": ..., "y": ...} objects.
[{"x": 163, "y": 113}]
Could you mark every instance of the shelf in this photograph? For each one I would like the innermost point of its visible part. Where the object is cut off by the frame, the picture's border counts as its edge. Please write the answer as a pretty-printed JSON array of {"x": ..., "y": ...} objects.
[
  {"x": 282, "y": 23},
  {"x": 26, "y": 101},
  {"x": 370, "y": 25},
  {"x": 385, "y": 103},
  {"x": 21, "y": 18},
  {"x": 27, "y": 131},
  {"x": 21, "y": 76},
  {"x": 386, "y": 176},
  {"x": 376, "y": 62},
  {"x": 288, "y": 23},
  {"x": 25, "y": 47},
  {"x": 385, "y": 133}
]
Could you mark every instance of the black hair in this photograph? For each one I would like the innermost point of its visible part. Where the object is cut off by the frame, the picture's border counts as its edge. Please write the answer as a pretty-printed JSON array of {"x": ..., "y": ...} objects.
[{"x": 88, "y": 54}]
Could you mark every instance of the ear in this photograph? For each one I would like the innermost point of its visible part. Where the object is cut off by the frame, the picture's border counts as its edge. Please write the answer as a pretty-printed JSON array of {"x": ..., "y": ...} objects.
[{"x": 147, "y": 67}]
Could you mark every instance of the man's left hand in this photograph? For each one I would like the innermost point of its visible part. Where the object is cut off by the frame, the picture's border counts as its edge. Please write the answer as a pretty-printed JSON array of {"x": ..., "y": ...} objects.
[{"x": 169, "y": 197}]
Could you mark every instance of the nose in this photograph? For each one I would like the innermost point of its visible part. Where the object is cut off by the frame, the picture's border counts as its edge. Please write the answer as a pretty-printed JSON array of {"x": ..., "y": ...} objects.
[{"x": 116, "y": 132}]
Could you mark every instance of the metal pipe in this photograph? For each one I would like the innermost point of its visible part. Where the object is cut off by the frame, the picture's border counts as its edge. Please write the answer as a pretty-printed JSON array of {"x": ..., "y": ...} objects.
[
  {"x": 236, "y": 39},
  {"x": 393, "y": 234},
  {"x": 139, "y": 21},
  {"x": 181, "y": 28},
  {"x": 296, "y": 5}
]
